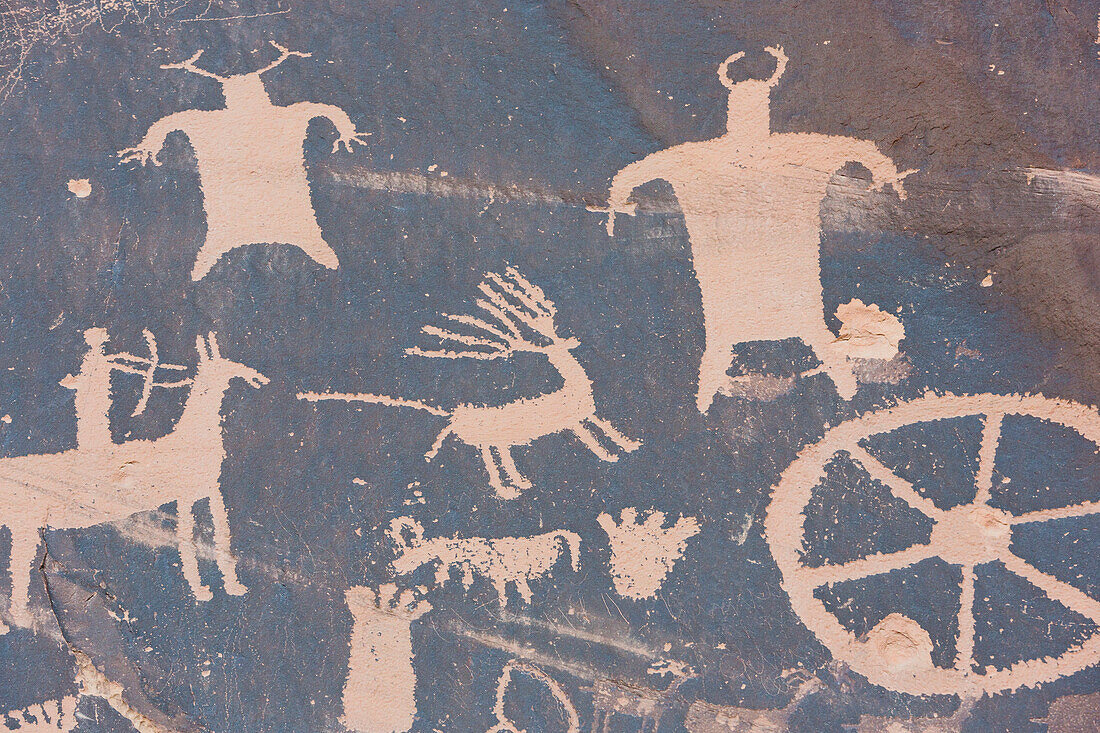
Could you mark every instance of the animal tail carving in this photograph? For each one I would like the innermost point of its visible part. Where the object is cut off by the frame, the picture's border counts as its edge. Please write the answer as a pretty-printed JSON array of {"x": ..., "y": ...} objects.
[{"x": 375, "y": 399}]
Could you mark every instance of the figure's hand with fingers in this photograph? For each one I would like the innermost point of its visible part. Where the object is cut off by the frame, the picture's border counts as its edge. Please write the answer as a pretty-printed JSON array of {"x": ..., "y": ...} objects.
[
  {"x": 140, "y": 154},
  {"x": 893, "y": 178},
  {"x": 629, "y": 208},
  {"x": 345, "y": 140}
]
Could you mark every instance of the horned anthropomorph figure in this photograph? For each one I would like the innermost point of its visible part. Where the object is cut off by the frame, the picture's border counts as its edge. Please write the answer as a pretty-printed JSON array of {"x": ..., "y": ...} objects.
[
  {"x": 251, "y": 164},
  {"x": 751, "y": 200}
]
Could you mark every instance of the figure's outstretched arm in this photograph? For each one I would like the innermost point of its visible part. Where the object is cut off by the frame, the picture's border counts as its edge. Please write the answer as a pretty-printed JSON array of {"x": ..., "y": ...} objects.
[
  {"x": 148, "y": 150},
  {"x": 883, "y": 169},
  {"x": 625, "y": 181},
  {"x": 338, "y": 117}
]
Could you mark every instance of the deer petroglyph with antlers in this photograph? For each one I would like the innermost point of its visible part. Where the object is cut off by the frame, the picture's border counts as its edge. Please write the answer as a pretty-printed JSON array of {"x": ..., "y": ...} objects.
[
  {"x": 516, "y": 317},
  {"x": 251, "y": 164},
  {"x": 107, "y": 481}
]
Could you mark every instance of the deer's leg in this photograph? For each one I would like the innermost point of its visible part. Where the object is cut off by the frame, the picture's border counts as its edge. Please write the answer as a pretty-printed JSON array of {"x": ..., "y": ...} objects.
[
  {"x": 586, "y": 436},
  {"x": 508, "y": 463},
  {"x": 21, "y": 565},
  {"x": 223, "y": 546},
  {"x": 185, "y": 540},
  {"x": 627, "y": 444},
  {"x": 496, "y": 480},
  {"x": 439, "y": 440}
]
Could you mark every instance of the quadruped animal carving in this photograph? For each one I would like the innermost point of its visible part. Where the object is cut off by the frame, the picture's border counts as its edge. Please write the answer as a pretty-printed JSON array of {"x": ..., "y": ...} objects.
[
  {"x": 107, "y": 481},
  {"x": 751, "y": 200},
  {"x": 703, "y": 717},
  {"x": 516, "y": 317},
  {"x": 380, "y": 690},
  {"x": 1072, "y": 714},
  {"x": 611, "y": 699},
  {"x": 251, "y": 164},
  {"x": 504, "y": 724},
  {"x": 502, "y": 560},
  {"x": 643, "y": 550}
]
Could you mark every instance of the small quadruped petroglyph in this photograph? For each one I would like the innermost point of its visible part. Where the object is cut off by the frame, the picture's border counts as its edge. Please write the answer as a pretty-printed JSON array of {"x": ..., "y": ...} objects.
[{"x": 502, "y": 560}]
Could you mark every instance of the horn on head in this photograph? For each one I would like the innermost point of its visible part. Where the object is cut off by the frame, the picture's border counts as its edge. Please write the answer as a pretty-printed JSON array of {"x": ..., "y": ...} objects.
[{"x": 724, "y": 67}]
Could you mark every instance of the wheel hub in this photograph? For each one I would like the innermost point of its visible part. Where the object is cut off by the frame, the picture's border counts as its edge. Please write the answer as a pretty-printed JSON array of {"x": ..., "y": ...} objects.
[{"x": 972, "y": 534}]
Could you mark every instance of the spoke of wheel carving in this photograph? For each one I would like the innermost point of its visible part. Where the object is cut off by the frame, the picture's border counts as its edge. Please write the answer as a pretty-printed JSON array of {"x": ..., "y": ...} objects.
[
  {"x": 964, "y": 649},
  {"x": 882, "y": 562},
  {"x": 901, "y": 488},
  {"x": 1057, "y": 590},
  {"x": 1042, "y": 515},
  {"x": 987, "y": 456}
]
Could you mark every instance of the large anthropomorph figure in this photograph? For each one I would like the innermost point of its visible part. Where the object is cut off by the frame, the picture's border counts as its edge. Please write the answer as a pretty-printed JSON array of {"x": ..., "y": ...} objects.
[
  {"x": 251, "y": 165},
  {"x": 751, "y": 200}
]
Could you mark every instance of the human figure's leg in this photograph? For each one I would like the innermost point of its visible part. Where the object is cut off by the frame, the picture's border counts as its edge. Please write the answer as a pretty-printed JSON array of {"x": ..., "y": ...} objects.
[
  {"x": 721, "y": 315},
  {"x": 834, "y": 360},
  {"x": 21, "y": 565},
  {"x": 211, "y": 251},
  {"x": 317, "y": 249}
]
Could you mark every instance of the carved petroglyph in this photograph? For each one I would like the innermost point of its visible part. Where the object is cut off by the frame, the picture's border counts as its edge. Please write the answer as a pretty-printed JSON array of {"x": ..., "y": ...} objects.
[
  {"x": 516, "y": 317},
  {"x": 92, "y": 385},
  {"x": 896, "y": 653},
  {"x": 504, "y": 724},
  {"x": 51, "y": 716},
  {"x": 46, "y": 717},
  {"x": 643, "y": 550},
  {"x": 380, "y": 690},
  {"x": 612, "y": 699},
  {"x": 1074, "y": 714},
  {"x": 883, "y": 724},
  {"x": 108, "y": 481},
  {"x": 503, "y": 560},
  {"x": 251, "y": 164},
  {"x": 703, "y": 717},
  {"x": 868, "y": 331},
  {"x": 751, "y": 199}
]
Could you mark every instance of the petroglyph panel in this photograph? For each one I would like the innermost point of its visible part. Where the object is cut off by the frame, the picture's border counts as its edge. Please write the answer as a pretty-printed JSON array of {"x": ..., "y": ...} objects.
[{"x": 549, "y": 366}]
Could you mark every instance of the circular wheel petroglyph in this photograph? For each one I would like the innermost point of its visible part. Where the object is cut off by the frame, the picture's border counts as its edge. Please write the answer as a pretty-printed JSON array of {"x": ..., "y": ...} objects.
[{"x": 965, "y": 536}]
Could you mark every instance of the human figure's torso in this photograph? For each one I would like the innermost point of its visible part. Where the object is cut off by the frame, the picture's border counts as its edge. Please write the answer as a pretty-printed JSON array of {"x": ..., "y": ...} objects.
[{"x": 252, "y": 171}]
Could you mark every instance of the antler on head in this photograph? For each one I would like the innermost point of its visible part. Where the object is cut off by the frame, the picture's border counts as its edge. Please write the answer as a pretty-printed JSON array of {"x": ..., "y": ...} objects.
[
  {"x": 284, "y": 54},
  {"x": 512, "y": 307},
  {"x": 189, "y": 65}
]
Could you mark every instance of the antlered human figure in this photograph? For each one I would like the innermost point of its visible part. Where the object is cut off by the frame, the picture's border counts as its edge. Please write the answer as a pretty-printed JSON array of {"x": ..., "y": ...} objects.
[
  {"x": 751, "y": 201},
  {"x": 251, "y": 165}
]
